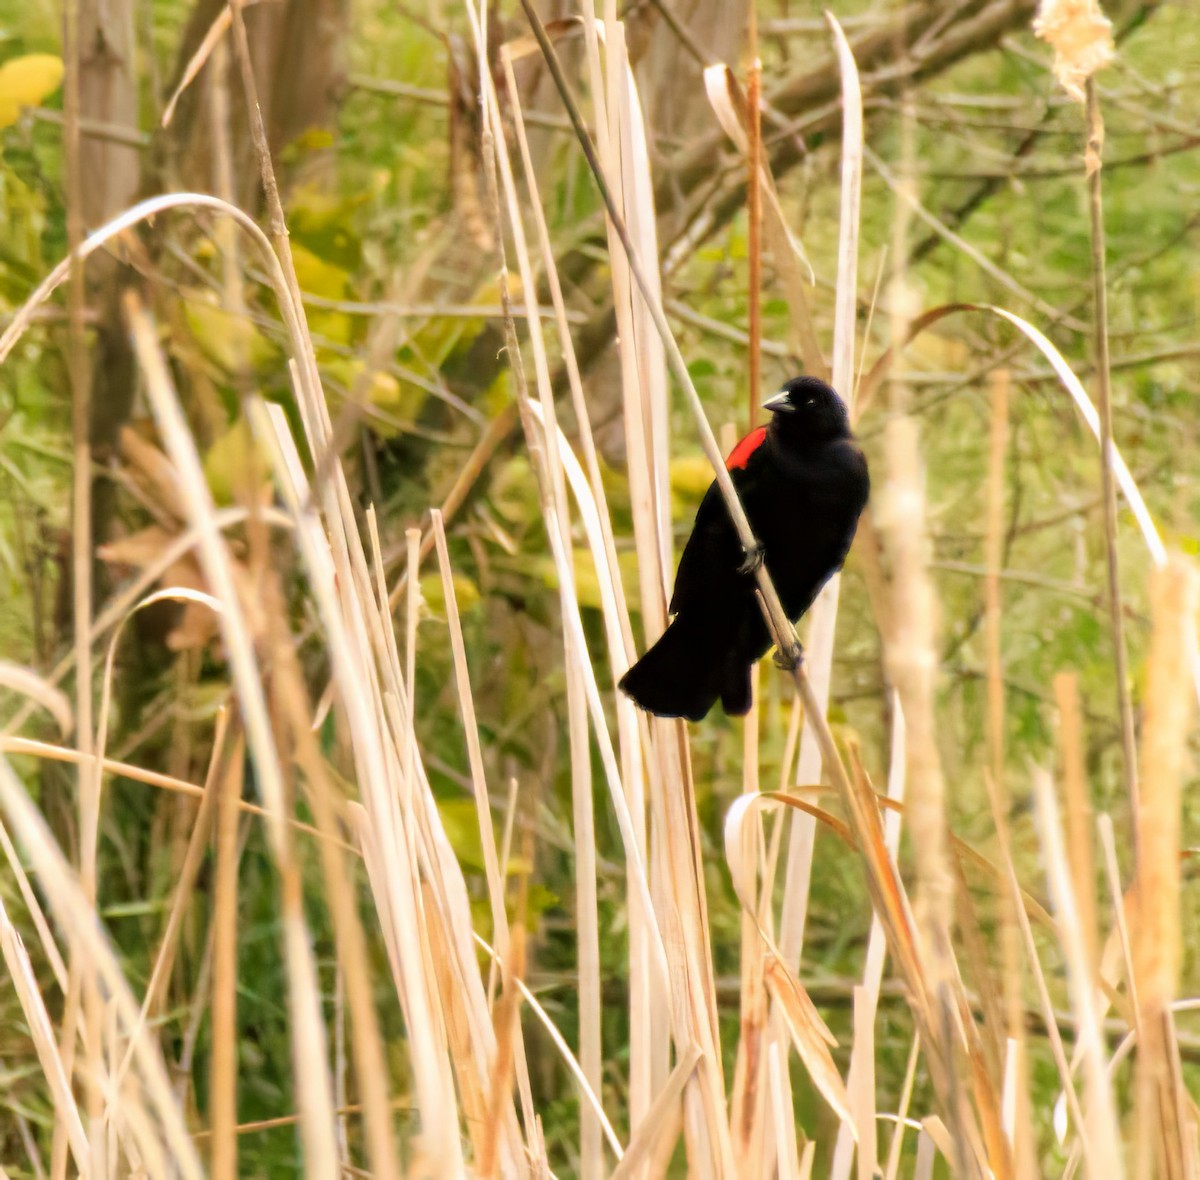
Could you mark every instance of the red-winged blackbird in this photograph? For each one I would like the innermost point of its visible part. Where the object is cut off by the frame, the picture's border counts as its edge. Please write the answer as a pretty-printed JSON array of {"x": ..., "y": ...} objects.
[{"x": 803, "y": 483}]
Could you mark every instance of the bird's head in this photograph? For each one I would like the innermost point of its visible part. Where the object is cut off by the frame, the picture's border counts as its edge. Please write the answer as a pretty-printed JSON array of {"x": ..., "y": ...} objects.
[{"x": 807, "y": 410}]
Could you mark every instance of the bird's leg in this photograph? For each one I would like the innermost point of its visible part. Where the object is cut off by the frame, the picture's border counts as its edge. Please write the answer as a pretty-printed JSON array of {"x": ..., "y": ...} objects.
[
  {"x": 753, "y": 559},
  {"x": 789, "y": 659}
]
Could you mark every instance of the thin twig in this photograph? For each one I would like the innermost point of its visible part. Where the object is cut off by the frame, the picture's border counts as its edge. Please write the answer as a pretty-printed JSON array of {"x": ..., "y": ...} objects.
[{"x": 1095, "y": 148}]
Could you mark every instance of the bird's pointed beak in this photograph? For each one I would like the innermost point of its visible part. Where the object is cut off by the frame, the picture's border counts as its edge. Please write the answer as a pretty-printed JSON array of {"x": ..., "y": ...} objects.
[{"x": 779, "y": 403}]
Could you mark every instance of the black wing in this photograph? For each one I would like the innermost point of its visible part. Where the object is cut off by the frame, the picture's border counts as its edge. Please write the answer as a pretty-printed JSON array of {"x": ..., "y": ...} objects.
[{"x": 712, "y": 554}]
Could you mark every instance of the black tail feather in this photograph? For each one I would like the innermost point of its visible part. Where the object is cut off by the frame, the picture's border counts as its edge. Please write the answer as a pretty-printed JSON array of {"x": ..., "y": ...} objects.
[
  {"x": 735, "y": 691},
  {"x": 680, "y": 676}
]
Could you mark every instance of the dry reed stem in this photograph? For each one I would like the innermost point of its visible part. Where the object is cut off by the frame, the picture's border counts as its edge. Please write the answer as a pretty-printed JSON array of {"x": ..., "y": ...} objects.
[
  {"x": 314, "y": 1089},
  {"x": 750, "y": 1080},
  {"x": 353, "y": 961},
  {"x": 896, "y": 1147},
  {"x": 910, "y": 649},
  {"x": 466, "y": 706},
  {"x": 1045, "y": 1003},
  {"x": 618, "y": 626},
  {"x": 207, "y": 47},
  {"x": 1014, "y": 1019},
  {"x": 862, "y": 1086},
  {"x": 222, "y": 1090},
  {"x": 994, "y": 561},
  {"x": 345, "y": 621},
  {"x": 823, "y": 615},
  {"x": 661, "y": 1124},
  {"x": 911, "y": 664},
  {"x": 82, "y": 558},
  {"x": 588, "y": 1095},
  {"x": 684, "y": 908},
  {"x": 1100, "y": 1131},
  {"x": 862, "y": 1052},
  {"x": 551, "y": 483},
  {"x": 507, "y": 1032},
  {"x": 1124, "y": 904},
  {"x": 188, "y": 871},
  {"x": 1163, "y": 1109}
]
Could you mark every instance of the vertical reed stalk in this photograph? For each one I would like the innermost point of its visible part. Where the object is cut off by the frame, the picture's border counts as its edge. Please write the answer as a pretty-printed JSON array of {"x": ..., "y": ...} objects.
[
  {"x": 222, "y": 1091},
  {"x": 1014, "y": 1011},
  {"x": 1162, "y": 1107},
  {"x": 1108, "y": 487},
  {"x": 79, "y": 377}
]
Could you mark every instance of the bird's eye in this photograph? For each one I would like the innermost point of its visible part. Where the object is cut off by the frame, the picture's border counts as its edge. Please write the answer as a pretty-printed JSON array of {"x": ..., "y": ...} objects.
[{"x": 812, "y": 401}]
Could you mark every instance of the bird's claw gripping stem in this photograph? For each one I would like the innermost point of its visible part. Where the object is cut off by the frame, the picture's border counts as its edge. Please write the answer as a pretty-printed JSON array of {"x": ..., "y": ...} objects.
[
  {"x": 790, "y": 659},
  {"x": 753, "y": 560}
]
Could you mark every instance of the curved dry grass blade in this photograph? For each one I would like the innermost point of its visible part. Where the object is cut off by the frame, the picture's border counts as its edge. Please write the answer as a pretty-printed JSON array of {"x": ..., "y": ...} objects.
[
  {"x": 662, "y": 1117},
  {"x": 91, "y": 782},
  {"x": 811, "y": 1037},
  {"x": 143, "y": 211},
  {"x": 151, "y": 778},
  {"x": 964, "y": 247},
  {"x": 216, "y": 31},
  {"x": 1084, "y": 404},
  {"x": 29, "y": 684},
  {"x": 122, "y": 602},
  {"x": 1069, "y": 382}
]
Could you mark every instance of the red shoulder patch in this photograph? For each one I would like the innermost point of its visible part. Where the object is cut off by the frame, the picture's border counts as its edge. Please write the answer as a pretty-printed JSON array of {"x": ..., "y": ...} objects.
[{"x": 740, "y": 455}]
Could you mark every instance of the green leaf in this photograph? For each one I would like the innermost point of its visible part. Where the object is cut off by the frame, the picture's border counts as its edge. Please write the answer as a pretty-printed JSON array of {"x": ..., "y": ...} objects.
[
  {"x": 27, "y": 82},
  {"x": 228, "y": 340}
]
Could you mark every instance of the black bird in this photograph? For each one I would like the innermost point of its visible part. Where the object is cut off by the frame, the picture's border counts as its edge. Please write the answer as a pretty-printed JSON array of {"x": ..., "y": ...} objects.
[{"x": 803, "y": 482}]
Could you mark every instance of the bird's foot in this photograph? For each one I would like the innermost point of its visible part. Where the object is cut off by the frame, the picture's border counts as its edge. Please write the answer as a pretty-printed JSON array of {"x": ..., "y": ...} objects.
[
  {"x": 789, "y": 659},
  {"x": 753, "y": 560}
]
